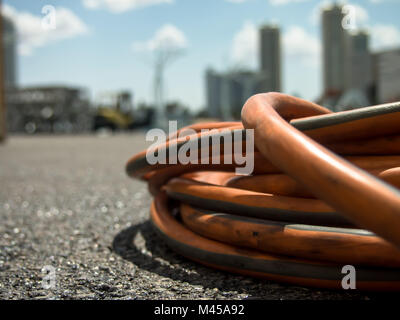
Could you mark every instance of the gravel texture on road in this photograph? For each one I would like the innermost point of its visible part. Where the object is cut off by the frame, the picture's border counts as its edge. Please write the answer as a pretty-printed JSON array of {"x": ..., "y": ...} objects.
[{"x": 66, "y": 202}]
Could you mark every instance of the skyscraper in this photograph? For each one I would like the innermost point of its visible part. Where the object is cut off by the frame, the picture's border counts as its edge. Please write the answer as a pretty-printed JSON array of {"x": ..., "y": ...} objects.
[
  {"x": 387, "y": 75},
  {"x": 213, "y": 93},
  {"x": 228, "y": 91},
  {"x": 334, "y": 49},
  {"x": 270, "y": 57},
  {"x": 358, "y": 61},
  {"x": 231, "y": 95}
]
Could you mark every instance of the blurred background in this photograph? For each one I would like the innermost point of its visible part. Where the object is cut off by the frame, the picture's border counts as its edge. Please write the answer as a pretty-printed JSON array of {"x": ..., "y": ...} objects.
[
  {"x": 93, "y": 65},
  {"x": 81, "y": 82}
]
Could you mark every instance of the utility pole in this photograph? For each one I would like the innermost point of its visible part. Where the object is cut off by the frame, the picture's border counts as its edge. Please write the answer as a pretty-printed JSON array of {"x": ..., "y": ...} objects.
[
  {"x": 3, "y": 123},
  {"x": 163, "y": 56},
  {"x": 160, "y": 116}
]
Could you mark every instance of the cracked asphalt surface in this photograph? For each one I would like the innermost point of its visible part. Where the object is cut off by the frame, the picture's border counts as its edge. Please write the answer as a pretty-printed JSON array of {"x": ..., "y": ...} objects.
[{"x": 66, "y": 202}]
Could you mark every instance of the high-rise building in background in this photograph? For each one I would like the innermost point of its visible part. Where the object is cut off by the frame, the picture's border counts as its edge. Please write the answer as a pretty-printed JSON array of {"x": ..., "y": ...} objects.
[
  {"x": 213, "y": 89},
  {"x": 386, "y": 75},
  {"x": 227, "y": 92},
  {"x": 347, "y": 63},
  {"x": 334, "y": 49},
  {"x": 353, "y": 76},
  {"x": 358, "y": 71},
  {"x": 237, "y": 87},
  {"x": 10, "y": 53},
  {"x": 358, "y": 87},
  {"x": 230, "y": 95},
  {"x": 270, "y": 57}
]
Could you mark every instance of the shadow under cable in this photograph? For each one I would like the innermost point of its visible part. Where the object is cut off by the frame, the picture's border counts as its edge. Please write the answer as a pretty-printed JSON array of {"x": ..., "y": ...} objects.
[{"x": 154, "y": 256}]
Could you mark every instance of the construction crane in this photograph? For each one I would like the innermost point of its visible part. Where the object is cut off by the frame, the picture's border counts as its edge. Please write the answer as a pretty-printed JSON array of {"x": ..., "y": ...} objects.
[{"x": 163, "y": 56}]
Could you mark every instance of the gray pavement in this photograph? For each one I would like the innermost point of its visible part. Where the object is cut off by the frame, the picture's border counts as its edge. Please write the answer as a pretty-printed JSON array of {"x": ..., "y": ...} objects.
[{"x": 66, "y": 202}]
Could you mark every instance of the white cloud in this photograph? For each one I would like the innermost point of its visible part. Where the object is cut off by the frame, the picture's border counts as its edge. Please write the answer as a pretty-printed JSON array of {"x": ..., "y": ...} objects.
[
  {"x": 296, "y": 44},
  {"x": 167, "y": 37},
  {"x": 31, "y": 33},
  {"x": 301, "y": 46},
  {"x": 359, "y": 13},
  {"x": 271, "y": 2},
  {"x": 382, "y": 1},
  {"x": 236, "y": 1},
  {"x": 315, "y": 16},
  {"x": 245, "y": 46},
  {"x": 384, "y": 36},
  {"x": 118, "y": 6},
  {"x": 284, "y": 2}
]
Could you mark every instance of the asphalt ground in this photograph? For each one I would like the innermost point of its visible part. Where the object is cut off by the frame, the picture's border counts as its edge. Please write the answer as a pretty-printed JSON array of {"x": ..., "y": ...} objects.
[{"x": 66, "y": 205}]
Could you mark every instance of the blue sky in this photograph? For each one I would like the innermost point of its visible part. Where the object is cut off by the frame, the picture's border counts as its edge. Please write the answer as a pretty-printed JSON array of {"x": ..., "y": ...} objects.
[{"x": 107, "y": 45}]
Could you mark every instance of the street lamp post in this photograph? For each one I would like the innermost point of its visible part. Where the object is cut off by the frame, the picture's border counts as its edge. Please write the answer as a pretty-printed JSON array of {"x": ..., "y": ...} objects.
[{"x": 3, "y": 130}]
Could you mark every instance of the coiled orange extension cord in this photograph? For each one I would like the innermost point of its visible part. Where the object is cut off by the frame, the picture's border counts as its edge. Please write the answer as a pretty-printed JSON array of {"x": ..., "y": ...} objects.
[{"x": 323, "y": 194}]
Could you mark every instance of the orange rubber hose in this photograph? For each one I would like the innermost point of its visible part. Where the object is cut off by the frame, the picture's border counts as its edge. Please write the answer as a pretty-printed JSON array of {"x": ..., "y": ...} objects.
[{"x": 324, "y": 193}]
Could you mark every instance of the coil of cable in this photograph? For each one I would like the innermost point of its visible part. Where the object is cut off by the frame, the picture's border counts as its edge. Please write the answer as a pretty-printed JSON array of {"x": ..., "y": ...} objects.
[{"x": 324, "y": 193}]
